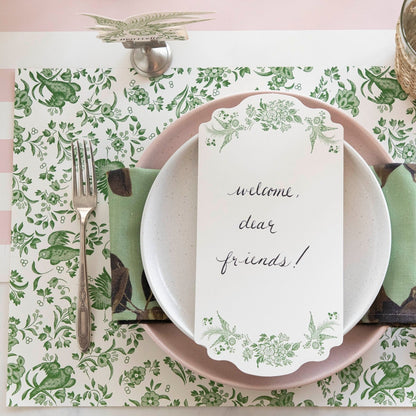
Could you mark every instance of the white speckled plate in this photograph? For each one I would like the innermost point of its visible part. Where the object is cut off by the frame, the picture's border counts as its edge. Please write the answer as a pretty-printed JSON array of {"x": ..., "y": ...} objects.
[{"x": 169, "y": 234}]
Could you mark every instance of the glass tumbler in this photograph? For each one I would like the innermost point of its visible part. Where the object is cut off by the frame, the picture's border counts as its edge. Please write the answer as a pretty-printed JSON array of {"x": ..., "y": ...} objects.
[{"x": 405, "y": 60}]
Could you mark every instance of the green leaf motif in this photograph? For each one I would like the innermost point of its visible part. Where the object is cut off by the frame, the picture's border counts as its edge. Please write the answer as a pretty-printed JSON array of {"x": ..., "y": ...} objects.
[{"x": 17, "y": 287}]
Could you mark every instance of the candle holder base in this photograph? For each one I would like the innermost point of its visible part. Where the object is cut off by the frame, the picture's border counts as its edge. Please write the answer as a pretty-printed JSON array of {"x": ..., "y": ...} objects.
[{"x": 150, "y": 59}]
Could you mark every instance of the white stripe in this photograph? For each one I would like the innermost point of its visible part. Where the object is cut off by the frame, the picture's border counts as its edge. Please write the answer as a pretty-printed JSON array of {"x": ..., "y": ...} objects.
[
  {"x": 205, "y": 48},
  {"x": 5, "y": 191},
  {"x": 4, "y": 263},
  {"x": 6, "y": 120}
]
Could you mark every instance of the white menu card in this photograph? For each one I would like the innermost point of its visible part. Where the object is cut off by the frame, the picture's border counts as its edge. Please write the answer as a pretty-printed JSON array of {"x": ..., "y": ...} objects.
[{"x": 269, "y": 275}]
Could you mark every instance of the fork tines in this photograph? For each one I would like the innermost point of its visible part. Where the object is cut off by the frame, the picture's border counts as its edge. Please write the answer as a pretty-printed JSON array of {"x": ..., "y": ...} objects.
[{"x": 83, "y": 162}]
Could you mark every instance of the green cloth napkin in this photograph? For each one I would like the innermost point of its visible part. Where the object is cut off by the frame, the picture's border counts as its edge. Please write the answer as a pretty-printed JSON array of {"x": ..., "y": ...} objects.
[
  {"x": 396, "y": 302},
  {"x": 132, "y": 299},
  {"x": 131, "y": 296}
]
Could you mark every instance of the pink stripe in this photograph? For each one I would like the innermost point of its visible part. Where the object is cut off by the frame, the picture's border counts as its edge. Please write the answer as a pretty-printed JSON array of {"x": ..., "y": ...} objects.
[
  {"x": 6, "y": 84},
  {"x": 6, "y": 156},
  {"x": 52, "y": 15},
  {"x": 5, "y": 226}
]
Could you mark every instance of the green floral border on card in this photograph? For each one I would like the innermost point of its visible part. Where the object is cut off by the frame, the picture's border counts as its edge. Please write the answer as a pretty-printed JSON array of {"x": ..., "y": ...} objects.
[{"x": 278, "y": 114}]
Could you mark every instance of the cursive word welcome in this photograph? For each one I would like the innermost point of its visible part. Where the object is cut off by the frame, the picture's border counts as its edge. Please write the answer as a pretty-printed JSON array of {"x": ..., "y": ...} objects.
[{"x": 263, "y": 190}]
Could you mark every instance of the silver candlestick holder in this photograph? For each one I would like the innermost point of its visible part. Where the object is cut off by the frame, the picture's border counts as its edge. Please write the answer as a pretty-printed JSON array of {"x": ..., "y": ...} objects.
[{"x": 150, "y": 58}]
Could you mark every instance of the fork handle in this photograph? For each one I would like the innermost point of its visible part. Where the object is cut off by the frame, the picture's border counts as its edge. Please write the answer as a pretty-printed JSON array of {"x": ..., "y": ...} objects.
[{"x": 84, "y": 312}]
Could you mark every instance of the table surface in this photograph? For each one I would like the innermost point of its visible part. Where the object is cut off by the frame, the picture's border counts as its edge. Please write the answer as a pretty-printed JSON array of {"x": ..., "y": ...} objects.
[{"x": 361, "y": 33}]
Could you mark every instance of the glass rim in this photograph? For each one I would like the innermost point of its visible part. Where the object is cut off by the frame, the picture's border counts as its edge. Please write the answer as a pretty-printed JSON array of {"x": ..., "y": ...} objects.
[{"x": 402, "y": 31}]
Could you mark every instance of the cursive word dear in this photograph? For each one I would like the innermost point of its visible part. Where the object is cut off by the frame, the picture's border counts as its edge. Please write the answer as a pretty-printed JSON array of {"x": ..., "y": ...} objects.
[{"x": 251, "y": 224}]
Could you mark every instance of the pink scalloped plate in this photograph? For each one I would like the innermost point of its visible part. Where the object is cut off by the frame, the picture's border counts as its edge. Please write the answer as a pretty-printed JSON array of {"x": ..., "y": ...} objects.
[{"x": 182, "y": 348}]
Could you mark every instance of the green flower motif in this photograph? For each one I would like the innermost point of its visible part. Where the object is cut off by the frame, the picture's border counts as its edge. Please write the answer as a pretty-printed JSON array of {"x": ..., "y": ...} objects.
[
  {"x": 247, "y": 354},
  {"x": 103, "y": 359},
  {"x": 212, "y": 395},
  {"x": 351, "y": 374},
  {"x": 53, "y": 198},
  {"x": 47, "y": 72},
  {"x": 18, "y": 238},
  {"x": 282, "y": 398},
  {"x": 217, "y": 75},
  {"x": 277, "y": 81},
  {"x": 267, "y": 350},
  {"x": 18, "y": 130},
  {"x": 22, "y": 100},
  {"x": 15, "y": 372},
  {"x": 347, "y": 99},
  {"x": 106, "y": 110},
  {"x": 212, "y": 399},
  {"x": 136, "y": 375},
  {"x": 117, "y": 144},
  {"x": 139, "y": 95},
  {"x": 279, "y": 76},
  {"x": 214, "y": 72},
  {"x": 150, "y": 398},
  {"x": 376, "y": 70},
  {"x": 55, "y": 185},
  {"x": 12, "y": 333},
  {"x": 18, "y": 138},
  {"x": 274, "y": 350},
  {"x": 13, "y": 329},
  {"x": 409, "y": 152},
  {"x": 277, "y": 115},
  {"x": 40, "y": 398},
  {"x": 71, "y": 312},
  {"x": 17, "y": 142}
]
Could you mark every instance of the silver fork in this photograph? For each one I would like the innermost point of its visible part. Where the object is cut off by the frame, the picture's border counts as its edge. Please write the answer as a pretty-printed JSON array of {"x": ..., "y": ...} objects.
[{"x": 84, "y": 199}]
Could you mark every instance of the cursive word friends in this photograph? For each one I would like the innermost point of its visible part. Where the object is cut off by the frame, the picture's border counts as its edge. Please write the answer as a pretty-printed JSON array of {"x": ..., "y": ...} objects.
[
  {"x": 278, "y": 260},
  {"x": 230, "y": 259}
]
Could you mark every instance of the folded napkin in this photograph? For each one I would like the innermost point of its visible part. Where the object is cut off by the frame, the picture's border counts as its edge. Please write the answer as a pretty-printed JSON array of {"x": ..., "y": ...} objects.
[
  {"x": 131, "y": 297},
  {"x": 396, "y": 301}
]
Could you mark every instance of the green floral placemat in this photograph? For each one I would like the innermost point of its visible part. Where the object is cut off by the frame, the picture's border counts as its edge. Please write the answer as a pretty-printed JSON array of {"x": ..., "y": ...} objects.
[{"x": 121, "y": 113}]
